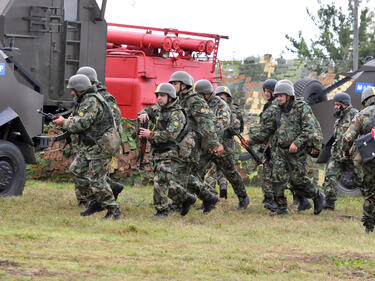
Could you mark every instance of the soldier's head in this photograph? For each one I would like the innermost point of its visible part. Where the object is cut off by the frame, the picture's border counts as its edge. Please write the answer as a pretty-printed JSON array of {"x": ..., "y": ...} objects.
[
  {"x": 182, "y": 81},
  {"x": 269, "y": 88},
  {"x": 89, "y": 72},
  {"x": 284, "y": 92},
  {"x": 79, "y": 84},
  {"x": 368, "y": 96},
  {"x": 203, "y": 88},
  {"x": 341, "y": 101},
  {"x": 224, "y": 93},
  {"x": 166, "y": 93}
]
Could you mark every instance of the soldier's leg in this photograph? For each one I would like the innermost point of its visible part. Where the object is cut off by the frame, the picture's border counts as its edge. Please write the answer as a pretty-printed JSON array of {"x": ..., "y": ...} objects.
[
  {"x": 210, "y": 177},
  {"x": 301, "y": 183},
  {"x": 267, "y": 188},
  {"x": 368, "y": 191},
  {"x": 102, "y": 192},
  {"x": 162, "y": 176},
  {"x": 227, "y": 165},
  {"x": 81, "y": 178},
  {"x": 280, "y": 179},
  {"x": 332, "y": 173},
  {"x": 223, "y": 184}
]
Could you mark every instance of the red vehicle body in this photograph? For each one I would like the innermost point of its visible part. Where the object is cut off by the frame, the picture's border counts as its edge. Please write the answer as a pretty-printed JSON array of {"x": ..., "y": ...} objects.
[{"x": 137, "y": 62}]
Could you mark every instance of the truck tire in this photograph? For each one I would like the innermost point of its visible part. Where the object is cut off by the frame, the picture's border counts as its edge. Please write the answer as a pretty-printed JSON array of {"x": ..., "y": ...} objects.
[
  {"x": 12, "y": 169},
  {"x": 345, "y": 186},
  {"x": 310, "y": 90}
]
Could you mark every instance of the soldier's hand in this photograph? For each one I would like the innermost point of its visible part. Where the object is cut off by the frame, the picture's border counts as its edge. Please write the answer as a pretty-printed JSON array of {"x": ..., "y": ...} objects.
[
  {"x": 143, "y": 117},
  {"x": 218, "y": 150},
  {"x": 314, "y": 151},
  {"x": 293, "y": 148},
  {"x": 144, "y": 133},
  {"x": 59, "y": 121}
]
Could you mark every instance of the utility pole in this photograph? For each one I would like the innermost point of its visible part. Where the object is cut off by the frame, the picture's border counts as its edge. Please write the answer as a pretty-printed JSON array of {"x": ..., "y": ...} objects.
[{"x": 355, "y": 35}]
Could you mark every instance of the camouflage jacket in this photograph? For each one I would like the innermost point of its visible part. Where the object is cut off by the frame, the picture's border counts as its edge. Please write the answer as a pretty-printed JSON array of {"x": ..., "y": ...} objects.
[
  {"x": 102, "y": 90},
  {"x": 341, "y": 125},
  {"x": 200, "y": 119},
  {"x": 91, "y": 120},
  {"x": 222, "y": 115},
  {"x": 296, "y": 124},
  {"x": 361, "y": 124}
]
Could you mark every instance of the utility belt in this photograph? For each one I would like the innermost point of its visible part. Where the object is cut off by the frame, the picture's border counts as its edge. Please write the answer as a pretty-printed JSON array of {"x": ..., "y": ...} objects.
[{"x": 163, "y": 147}]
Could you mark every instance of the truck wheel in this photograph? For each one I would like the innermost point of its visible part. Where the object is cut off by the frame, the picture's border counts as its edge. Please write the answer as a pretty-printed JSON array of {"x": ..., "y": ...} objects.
[
  {"x": 12, "y": 169},
  {"x": 310, "y": 90},
  {"x": 345, "y": 186}
]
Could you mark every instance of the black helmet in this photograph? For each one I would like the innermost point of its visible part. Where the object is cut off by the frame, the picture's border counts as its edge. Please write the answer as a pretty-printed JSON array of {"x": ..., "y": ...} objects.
[
  {"x": 344, "y": 98},
  {"x": 269, "y": 84},
  {"x": 223, "y": 89},
  {"x": 183, "y": 77},
  {"x": 166, "y": 88},
  {"x": 203, "y": 86}
]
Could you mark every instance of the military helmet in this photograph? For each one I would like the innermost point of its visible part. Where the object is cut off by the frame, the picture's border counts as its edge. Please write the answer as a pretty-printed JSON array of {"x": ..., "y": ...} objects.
[
  {"x": 183, "y": 77},
  {"x": 284, "y": 88},
  {"x": 166, "y": 88},
  {"x": 79, "y": 82},
  {"x": 285, "y": 81},
  {"x": 344, "y": 98},
  {"x": 269, "y": 84},
  {"x": 367, "y": 93},
  {"x": 223, "y": 89},
  {"x": 89, "y": 72},
  {"x": 203, "y": 86}
]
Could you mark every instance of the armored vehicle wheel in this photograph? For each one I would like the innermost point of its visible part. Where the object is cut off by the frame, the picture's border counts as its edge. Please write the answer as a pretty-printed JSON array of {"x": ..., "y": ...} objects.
[
  {"x": 12, "y": 169},
  {"x": 345, "y": 186},
  {"x": 310, "y": 90}
]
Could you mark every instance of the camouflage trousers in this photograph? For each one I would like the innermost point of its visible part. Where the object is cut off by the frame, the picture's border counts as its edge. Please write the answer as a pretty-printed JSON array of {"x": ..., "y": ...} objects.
[
  {"x": 333, "y": 172},
  {"x": 90, "y": 179},
  {"x": 213, "y": 176},
  {"x": 226, "y": 165},
  {"x": 195, "y": 183},
  {"x": 168, "y": 183},
  {"x": 267, "y": 187},
  {"x": 291, "y": 168},
  {"x": 368, "y": 192}
]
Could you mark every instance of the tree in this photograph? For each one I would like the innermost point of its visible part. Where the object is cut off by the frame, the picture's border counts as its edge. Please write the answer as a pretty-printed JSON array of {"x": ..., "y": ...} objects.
[{"x": 333, "y": 47}]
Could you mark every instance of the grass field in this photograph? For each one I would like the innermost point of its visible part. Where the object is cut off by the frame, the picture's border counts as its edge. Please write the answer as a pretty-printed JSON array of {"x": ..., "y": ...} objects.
[{"x": 42, "y": 237}]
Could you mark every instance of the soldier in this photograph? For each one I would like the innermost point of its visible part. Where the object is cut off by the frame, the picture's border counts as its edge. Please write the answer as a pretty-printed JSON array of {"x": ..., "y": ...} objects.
[
  {"x": 169, "y": 127},
  {"x": 292, "y": 126},
  {"x": 225, "y": 163},
  {"x": 336, "y": 166},
  {"x": 362, "y": 124},
  {"x": 92, "y": 75},
  {"x": 91, "y": 165}
]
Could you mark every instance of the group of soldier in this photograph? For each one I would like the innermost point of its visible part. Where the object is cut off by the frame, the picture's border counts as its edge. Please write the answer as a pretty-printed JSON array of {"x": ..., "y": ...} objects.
[{"x": 191, "y": 130}]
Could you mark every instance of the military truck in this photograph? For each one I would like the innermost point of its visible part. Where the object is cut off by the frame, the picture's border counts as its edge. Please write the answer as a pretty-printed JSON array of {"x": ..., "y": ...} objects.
[
  {"x": 315, "y": 94},
  {"x": 42, "y": 43}
]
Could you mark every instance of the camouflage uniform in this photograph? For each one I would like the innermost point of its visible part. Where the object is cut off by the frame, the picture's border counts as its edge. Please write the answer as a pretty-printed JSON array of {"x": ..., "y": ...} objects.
[
  {"x": 167, "y": 124},
  {"x": 91, "y": 165},
  {"x": 226, "y": 162},
  {"x": 361, "y": 125},
  {"x": 336, "y": 166},
  {"x": 293, "y": 124}
]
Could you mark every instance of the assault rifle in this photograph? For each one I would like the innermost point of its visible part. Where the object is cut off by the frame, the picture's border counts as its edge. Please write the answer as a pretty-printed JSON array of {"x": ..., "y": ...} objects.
[
  {"x": 247, "y": 147},
  {"x": 64, "y": 136},
  {"x": 143, "y": 142}
]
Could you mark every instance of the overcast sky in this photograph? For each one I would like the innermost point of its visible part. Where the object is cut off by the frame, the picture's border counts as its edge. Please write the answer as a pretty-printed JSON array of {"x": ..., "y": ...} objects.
[{"x": 254, "y": 27}]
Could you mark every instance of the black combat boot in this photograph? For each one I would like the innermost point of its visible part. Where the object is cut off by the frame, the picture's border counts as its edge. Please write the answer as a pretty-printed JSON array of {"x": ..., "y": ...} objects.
[
  {"x": 269, "y": 203},
  {"x": 243, "y": 203},
  {"x": 159, "y": 215},
  {"x": 304, "y": 203},
  {"x": 279, "y": 211},
  {"x": 113, "y": 213},
  {"x": 318, "y": 203},
  {"x": 224, "y": 190},
  {"x": 82, "y": 203},
  {"x": 93, "y": 208},
  {"x": 190, "y": 200},
  {"x": 210, "y": 203},
  {"x": 116, "y": 188},
  {"x": 295, "y": 199},
  {"x": 329, "y": 205}
]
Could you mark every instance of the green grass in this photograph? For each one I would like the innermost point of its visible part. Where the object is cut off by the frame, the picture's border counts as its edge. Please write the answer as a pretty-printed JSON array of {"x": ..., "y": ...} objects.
[{"x": 42, "y": 237}]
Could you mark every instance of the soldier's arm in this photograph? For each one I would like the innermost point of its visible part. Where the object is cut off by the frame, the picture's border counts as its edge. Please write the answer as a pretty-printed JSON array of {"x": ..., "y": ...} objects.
[
  {"x": 307, "y": 126},
  {"x": 352, "y": 133},
  {"x": 266, "y": 128},
  {"x": 203, "y": 117},
  {"x": 87, "y": 113},
  {"x": 222, "y": 118},
  {"x": 175, "y": 125}
]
